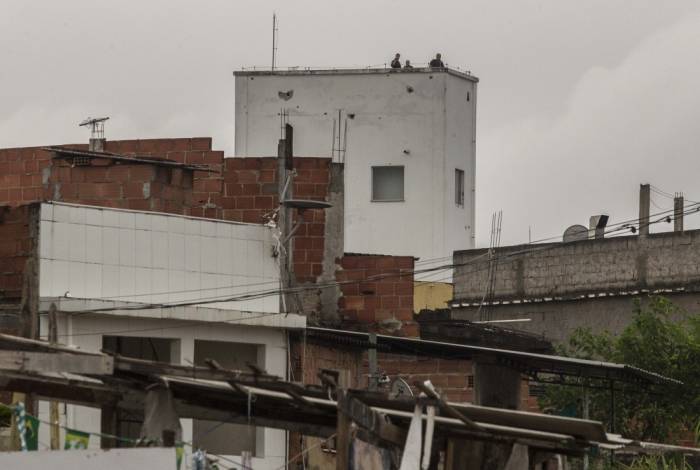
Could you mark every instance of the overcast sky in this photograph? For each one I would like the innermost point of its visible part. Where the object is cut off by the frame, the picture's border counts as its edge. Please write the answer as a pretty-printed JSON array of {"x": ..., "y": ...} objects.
[{"x": 578, "y": 102}]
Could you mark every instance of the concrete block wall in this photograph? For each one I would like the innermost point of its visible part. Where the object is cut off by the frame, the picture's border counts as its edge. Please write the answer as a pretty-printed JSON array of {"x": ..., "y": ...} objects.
[
  {"x": 565, "y": 270},
  {"x": 387, "y": 295}
]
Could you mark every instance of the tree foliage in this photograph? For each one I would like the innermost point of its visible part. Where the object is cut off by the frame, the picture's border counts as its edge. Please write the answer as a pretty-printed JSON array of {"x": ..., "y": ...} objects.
[{"x": 661, "y": 338}]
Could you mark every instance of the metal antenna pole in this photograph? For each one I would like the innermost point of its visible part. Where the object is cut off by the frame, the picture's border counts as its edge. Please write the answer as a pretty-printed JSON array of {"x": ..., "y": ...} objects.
[{"x": 274, "y": 40}]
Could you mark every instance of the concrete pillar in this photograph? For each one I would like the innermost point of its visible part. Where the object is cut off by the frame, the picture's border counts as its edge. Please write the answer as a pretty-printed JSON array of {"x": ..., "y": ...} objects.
[
  {"x": 499, "y": 387},
  {"x": 644, "y": 200},
  {"x": 678, "y": 213},
  {"x": 496, "y": 385}
]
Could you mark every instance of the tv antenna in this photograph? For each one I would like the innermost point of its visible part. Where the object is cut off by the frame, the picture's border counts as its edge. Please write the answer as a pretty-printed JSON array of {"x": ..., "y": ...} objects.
[
  {"x": 97, "y": 127},
  {"x": 274, "y": 40}
]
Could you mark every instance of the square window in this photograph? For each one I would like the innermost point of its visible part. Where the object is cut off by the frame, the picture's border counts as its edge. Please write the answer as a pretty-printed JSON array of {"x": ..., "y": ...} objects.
[
  {"x": 459, "y": 187},
  {"x": 387, "y": 183}
]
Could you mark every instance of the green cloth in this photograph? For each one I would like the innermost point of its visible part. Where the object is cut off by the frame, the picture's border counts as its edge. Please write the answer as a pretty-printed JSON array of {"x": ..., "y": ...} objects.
[
  {"x": 179, "y": 453},
  {"x": 76, "y": 439},
  {"x": 31, "y": 432}
]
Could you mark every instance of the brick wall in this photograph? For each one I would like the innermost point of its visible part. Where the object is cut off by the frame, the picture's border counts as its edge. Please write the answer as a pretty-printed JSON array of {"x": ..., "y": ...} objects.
[
  {"x": 16, "y": 247},
  {"x": 127, "y": 186},
  {"x": 567, "y": 270},
  {"x": 236, "y": 189},
  {"x": 388, "y": 295},
  {"x": 452, "y": 377},
  {"x": 29, "y": 175}
]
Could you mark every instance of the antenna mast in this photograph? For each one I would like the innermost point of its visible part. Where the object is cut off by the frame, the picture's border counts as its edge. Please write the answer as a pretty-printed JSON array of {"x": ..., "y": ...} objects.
[{"x": 274, "y": 40}]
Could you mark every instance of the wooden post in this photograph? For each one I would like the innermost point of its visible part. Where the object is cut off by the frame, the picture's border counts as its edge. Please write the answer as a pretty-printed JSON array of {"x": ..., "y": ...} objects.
[
  {"x": 53, "y": 405},
  {"x": 29, "y": 314},
  {"x": 372, "y": 359},
  {"x": 342, "y": 456}
]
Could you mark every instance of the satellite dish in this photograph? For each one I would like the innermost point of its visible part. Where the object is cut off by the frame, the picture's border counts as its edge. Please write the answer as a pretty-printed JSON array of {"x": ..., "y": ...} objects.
[
  {"x": 575, "y": 233},
  {"x": 400, "y": 389}
]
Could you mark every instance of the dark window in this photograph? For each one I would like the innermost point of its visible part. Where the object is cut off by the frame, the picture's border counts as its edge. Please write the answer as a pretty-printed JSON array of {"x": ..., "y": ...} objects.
[
  {"x": 387, "y": 183},
  {"x": 459, "y": 187}
]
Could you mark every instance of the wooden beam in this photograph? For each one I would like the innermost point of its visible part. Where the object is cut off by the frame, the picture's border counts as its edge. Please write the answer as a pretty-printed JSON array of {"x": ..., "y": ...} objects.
[
  {"x": 188, "y": 410},
  {"x": 41, "y": 362},
  {"x": 445, "y": 407},
  {"x": 77, "y": 392},
  {"x": 53, "y": 406},
  {"x": 148, "y": 368},
  {"x": 342, "y": 447}
]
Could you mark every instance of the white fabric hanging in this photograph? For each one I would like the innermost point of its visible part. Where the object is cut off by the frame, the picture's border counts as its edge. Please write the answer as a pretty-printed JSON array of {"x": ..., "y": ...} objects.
[
  {"x": 412, "y": 449},
  {"x": 428, "y": 443}
]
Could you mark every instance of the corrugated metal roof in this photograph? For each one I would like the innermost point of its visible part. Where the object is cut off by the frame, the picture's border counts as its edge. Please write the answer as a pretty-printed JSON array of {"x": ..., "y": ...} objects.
[{"x": 527, "y": 362}]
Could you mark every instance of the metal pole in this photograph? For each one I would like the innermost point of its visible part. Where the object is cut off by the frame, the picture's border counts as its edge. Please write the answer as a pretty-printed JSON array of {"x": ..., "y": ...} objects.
[
  {"x": 585, "y": 416},
  {"x": 274, "y": 39}
]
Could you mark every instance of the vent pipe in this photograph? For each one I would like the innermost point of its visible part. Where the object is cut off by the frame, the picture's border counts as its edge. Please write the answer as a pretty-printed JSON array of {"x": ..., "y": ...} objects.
[{"x": 597, "y": 226}]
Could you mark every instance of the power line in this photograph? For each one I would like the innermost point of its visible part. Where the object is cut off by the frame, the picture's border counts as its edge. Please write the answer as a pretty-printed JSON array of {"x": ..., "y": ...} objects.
[{"x": 625, "y": 225}]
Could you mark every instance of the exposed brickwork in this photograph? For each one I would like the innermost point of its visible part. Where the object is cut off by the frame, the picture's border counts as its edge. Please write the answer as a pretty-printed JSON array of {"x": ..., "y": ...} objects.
[
  {"x": 387, "y": 295},
  {"x": 126, "y": 186},
  {"x": 450, "y": 376},
  {"x": 313, "y": 177},
  {"x": 30, "y": 175},
  {"x": 16, "y": 246},
  {"x": 237, "y": 189},
  {"x": 249, "y": 189}
]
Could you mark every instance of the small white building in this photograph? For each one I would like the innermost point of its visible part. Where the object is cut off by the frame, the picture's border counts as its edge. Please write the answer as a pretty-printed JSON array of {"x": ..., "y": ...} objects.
[
  {"x": 116, "y": 276},
  {"x": 407, "y": 138}
]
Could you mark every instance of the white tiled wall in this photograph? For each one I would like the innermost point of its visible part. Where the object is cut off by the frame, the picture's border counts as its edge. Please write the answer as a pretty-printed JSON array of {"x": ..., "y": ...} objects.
[{"x": 154, "y": 258}]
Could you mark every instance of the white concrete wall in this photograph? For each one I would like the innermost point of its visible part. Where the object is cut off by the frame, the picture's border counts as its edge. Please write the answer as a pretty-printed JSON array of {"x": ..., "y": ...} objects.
[
  {"x": 434, "y": 123},
  {"x": 115, "y": 459},
  {"x": 87, "y": 331},
  {"x": 147, "y": 257}
]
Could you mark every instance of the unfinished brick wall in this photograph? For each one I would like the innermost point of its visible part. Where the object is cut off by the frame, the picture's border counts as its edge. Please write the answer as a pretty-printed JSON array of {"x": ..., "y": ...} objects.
[
  {"x": 452, "y": 377},
  {"x": 17, "y": 245},
  {"x": 383, "y": 291},
  {"x": 24, "y": 174},
  {"x": 236, "y": 189},
  {"x": 127, "y": 186},
  {"x": 251, "y": 192},
  {"x": 249, "y": 189},
  {"x": 29, "y": 175}
]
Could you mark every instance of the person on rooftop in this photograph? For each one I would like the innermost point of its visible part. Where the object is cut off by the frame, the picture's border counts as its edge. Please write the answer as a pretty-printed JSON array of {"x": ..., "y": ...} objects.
[
  {"x": 437, "y": 61},
  {"x": 396, "y": 63},
  {"x": 408, "y": 65}
]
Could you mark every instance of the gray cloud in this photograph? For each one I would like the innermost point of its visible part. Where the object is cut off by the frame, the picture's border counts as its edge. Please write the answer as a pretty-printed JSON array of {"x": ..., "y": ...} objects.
[{"x": 579, "y": 101}]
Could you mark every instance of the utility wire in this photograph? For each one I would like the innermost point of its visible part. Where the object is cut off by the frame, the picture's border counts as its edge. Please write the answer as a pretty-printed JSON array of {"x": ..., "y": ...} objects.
[{"x": 625, "y": 225}]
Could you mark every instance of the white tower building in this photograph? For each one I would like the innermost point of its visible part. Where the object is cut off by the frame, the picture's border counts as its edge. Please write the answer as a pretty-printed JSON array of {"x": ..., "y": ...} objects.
[{"x": 407, "y": 139}]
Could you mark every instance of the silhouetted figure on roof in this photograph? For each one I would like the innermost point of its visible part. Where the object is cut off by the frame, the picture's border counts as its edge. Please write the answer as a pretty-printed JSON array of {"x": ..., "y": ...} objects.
[
  {"x": 396, "y": 63},
  {"x": 437, "y": 62},
  {"x": 408, "y": 64}
]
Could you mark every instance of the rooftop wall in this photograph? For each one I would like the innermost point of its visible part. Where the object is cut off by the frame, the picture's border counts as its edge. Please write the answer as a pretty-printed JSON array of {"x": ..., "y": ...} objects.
[
  {"x": 567, "y": 270},
  {"x": 234, "y": 189},
  {"x": 144, "y": 257}
]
